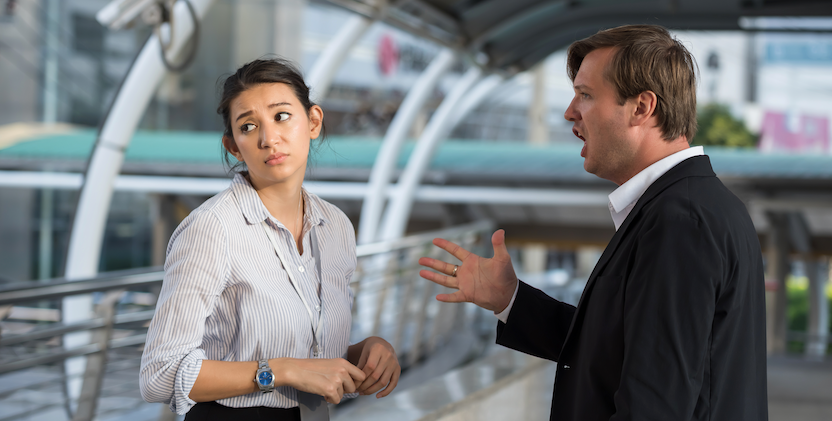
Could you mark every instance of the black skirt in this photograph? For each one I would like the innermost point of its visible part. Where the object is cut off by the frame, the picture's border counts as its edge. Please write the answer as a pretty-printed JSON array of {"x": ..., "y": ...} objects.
[{"x": 212, "y": 411}]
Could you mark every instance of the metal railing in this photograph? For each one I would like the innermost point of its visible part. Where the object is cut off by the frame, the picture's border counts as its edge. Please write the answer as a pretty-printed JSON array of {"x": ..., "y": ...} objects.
[{"x": 391, "y": 301}]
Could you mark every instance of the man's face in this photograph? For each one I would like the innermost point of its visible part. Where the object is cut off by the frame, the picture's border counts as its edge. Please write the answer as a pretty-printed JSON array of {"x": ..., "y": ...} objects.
[{"x": 600, "y": 121}]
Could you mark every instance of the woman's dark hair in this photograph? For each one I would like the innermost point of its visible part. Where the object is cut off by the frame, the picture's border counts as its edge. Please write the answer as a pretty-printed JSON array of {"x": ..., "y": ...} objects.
[{"x": 257, "y": 72}]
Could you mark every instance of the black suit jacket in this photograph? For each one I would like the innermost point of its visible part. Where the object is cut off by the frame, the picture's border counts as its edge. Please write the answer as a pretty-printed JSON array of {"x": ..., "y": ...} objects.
[{"x": 671, "y": 324}]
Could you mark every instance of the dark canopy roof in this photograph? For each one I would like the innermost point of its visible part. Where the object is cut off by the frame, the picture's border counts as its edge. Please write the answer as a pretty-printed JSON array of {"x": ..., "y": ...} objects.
[{"x": 514, "y": 35}]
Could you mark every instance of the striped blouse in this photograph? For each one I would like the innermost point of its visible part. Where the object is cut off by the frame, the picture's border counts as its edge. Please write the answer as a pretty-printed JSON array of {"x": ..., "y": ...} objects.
[{"x": 226, "y": 296}]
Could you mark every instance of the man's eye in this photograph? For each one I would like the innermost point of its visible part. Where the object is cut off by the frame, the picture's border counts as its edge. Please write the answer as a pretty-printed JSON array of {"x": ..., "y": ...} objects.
[
  {"x": 245, "y": 128},
  {"x": 585, "y": 96},
  {"x": 281, "y": 116}
]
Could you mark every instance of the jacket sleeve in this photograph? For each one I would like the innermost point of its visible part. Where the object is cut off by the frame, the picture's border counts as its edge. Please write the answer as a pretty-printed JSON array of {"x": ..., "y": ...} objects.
[
  {"x": 537, "y": 324},
  {"x": 669, "y": 304},
  {"x": 196, "y": 270}
]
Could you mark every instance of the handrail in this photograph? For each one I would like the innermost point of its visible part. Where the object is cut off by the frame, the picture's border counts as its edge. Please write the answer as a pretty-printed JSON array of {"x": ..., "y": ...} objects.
[
  {"x": 60, "y": 287},
  {"x": 414, "y": 240},
  {"x": 386, "y": 283},
  {"x": 60, "y": 328}
]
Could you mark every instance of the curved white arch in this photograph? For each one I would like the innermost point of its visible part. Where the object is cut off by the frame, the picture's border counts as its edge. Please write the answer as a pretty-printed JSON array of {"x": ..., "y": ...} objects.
[
  {"x": 446, "y": 117},
  {"x": 322, "y": 73},
  {"x": 87, "y": 234},
  {"x": 385, "y": 161}
]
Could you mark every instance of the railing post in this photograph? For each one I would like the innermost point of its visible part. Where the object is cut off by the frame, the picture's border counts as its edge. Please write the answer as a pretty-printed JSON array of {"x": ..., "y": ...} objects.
[
  {"x": 438, "y": 319},
  {"x": 415, "y": 351},
  {"x": 4, "y": 312},
  {"x": 391, "y": 266},
  {"x": 97, "y": 363},
  {"x": 401, "y": 325}
]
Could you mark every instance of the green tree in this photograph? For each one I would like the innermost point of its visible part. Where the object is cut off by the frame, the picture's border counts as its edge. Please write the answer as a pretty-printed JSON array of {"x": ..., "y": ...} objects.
[{"x": 717, "y": 127}]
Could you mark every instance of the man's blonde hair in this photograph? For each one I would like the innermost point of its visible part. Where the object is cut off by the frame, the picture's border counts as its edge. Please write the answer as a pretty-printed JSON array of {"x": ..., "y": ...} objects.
[{"x": 647, "y": 58}]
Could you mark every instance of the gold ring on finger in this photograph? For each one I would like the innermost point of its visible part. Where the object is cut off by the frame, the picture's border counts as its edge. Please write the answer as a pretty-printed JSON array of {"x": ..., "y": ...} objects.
[{"x": 455, "y": 269}]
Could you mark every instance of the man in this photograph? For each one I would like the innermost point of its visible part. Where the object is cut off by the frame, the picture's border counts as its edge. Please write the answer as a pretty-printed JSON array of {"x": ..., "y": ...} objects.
[{"x": 671, "y": 322}]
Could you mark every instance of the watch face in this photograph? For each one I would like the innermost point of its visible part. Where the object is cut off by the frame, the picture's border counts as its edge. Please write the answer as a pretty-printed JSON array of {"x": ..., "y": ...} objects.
[{"x": 265, "y": 378}]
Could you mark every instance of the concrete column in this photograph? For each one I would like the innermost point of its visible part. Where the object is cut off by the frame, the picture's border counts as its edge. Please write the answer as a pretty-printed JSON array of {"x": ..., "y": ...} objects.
[
  {"x": 16, "y": 211},
  {"x": 538, "y": 112},
  {"x": 533, "y": 258},
  {"x": 162, "y": 221},
  {"x": 21, "y": 64},
  {"x": 246, "y": 46},
  {"x": 777, "y": 269},
  {"x": 47, "y": 214},
  {"x": 287, "y": 28},
  {"x": 585, "y": 260},
  {"x": 818, "y": 328},
  {"x": 50, "y": 71}
]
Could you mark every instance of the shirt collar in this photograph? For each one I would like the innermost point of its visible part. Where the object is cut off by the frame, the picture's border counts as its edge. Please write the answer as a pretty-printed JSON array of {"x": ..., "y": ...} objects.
[
  {"x": 628, "y": 193},
  {"x": 255, "y": 211}
]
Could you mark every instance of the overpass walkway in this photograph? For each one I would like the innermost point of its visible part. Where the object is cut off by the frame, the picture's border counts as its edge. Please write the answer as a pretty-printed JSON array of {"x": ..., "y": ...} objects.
[{"x": 507, "y": 385}]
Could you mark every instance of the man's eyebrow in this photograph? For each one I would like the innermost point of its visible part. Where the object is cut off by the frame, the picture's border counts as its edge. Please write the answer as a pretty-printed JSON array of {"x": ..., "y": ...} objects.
[
  {"x": 248, "y": 113},
  {"x": 581, "y": 87}
]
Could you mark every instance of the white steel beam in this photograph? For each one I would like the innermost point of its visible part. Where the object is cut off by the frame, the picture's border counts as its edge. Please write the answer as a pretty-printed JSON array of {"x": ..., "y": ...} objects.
[
  {"x": 87, "y": 233},
  {"x": 325, "y": 189},
  {"x": 328, "y": 63},
  {"x": 388, "y": 154},
  {"x": 129, "y": 106},
  {"x": 398, "y": 212}
]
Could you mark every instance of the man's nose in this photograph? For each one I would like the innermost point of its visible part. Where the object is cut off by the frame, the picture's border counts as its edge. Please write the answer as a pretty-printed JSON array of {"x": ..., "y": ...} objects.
[{"x": 571, "y": 114}]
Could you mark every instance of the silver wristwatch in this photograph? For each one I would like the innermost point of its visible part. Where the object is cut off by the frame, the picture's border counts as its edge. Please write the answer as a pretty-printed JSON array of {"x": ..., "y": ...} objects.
[{"x": 264, "y": 376}]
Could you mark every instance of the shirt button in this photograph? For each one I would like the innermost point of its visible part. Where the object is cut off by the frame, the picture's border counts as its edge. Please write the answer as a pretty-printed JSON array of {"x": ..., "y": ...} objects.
[
  {"x": 301, "y": 269},
  {"x": 317, "y": 308}
]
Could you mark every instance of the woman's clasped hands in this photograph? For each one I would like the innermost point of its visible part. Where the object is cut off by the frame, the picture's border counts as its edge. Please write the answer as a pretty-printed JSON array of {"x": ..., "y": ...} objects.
[
  {"x": 330, "y": 378},
  {"x": 376, "y": 368},
  {"x": 380, "y": 365}
]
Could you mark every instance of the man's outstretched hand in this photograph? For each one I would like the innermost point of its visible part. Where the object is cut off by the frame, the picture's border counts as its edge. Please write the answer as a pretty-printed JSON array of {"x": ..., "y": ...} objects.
[{"x": 488, "y": 283}]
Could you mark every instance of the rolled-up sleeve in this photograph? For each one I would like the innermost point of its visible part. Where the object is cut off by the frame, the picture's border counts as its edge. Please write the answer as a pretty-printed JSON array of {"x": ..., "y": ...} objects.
[{"x": 196, "y": 271}]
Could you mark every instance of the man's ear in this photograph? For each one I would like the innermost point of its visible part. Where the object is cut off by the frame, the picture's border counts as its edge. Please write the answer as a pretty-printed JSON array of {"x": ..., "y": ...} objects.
[
  {"x": 229, "y": 145},
  {"x": 645, "y": 106},
  {"x": 316, "y": 121}
]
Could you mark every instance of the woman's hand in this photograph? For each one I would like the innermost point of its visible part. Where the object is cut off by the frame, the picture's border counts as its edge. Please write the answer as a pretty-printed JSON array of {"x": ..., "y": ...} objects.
[
  {"x": 330, "y": 378},
  {"x": 377, "y": 359}
]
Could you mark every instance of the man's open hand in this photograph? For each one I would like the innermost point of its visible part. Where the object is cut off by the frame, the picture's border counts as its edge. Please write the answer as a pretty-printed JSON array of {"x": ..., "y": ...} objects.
[{"x": 488, "y": 283}]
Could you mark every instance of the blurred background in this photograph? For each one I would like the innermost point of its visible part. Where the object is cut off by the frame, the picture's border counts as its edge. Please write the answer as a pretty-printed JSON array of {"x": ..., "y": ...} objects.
[{"x": 443, "y": 118}]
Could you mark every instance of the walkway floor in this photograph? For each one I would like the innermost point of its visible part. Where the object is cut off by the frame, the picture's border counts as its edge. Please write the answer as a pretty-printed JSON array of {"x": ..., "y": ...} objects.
[{"x": 799, "y": 390}]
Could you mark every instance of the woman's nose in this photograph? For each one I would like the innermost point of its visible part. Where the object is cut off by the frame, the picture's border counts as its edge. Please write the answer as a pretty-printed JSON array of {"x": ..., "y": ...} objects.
[{"x": 268, "y": 136}]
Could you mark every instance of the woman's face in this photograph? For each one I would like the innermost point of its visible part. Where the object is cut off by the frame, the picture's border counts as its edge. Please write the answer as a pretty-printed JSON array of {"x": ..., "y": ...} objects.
[{"x": 271, "y": 133}]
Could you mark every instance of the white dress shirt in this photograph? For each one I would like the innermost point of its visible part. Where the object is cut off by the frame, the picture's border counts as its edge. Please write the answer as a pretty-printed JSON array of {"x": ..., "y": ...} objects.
[
  {"x": 226, "y": 296},
  {"x": 623, "y": 199}
]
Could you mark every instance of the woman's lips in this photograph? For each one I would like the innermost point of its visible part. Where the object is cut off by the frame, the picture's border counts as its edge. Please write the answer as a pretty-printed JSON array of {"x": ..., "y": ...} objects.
[{"x": 276, "y": 158}]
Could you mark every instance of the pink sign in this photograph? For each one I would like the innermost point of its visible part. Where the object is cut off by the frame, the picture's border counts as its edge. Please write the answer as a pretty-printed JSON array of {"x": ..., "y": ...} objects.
[
  {"x": 794, "y": 133},
  {"x": 388, "y": 55}
]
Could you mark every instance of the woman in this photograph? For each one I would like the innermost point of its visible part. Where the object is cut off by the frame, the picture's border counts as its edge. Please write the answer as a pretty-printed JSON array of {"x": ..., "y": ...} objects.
[{"x": 256, "y": 292}]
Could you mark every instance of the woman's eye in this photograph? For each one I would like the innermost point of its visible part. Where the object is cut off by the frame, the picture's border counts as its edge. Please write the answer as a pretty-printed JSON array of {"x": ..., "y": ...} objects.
[
  {"x": 245, "y": 128},
  {"x": 281, "y": 116}
]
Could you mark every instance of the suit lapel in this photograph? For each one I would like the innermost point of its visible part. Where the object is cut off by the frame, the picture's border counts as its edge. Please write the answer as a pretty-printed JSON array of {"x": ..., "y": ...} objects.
[{"x": 692, "y": 167}]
